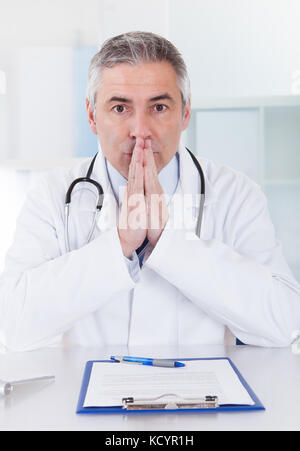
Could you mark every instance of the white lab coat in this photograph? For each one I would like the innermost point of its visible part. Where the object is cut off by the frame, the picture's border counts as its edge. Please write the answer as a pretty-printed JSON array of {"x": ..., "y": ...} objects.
[{"x": 189, "y": 291}]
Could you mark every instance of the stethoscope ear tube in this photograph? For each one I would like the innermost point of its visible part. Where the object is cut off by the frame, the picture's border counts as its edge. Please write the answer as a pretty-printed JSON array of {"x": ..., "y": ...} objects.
[
  {"x": 200, "y": 215},
  {"x": 199, "y": 169},
  {"x": 202, "y": 192},
  {"x": 87, "y": 180}
]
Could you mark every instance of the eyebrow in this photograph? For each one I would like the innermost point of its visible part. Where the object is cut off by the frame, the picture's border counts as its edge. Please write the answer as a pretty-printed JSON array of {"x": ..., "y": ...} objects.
[
  {"x": 119, "y": 99},
  {"x": 164, "y": 96}
]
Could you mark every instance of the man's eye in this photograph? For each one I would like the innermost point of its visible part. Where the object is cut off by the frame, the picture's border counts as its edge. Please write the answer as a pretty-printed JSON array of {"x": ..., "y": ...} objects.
[
  {"x": 119, "y": 108},
  {"x": 159, "y": 108}
]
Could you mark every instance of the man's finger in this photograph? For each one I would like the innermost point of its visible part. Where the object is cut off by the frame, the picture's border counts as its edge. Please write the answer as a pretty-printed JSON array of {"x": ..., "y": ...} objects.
[
  {"x": 136, "y": 157},
  {"x": 151, "y": 176},
  {"x": 138, "y": 185}
]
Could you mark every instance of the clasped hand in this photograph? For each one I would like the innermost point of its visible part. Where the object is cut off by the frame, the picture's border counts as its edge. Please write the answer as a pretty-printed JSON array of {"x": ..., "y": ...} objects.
[{"x": 144, "y": 211}]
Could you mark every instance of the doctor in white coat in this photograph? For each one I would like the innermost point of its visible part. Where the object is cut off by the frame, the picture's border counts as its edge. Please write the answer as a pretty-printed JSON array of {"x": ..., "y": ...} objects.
[{"x": 57, "y": 288}]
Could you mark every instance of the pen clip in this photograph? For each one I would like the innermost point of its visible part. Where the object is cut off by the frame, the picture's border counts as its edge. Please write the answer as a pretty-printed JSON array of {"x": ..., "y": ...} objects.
[{"x": 119, "y": 359}]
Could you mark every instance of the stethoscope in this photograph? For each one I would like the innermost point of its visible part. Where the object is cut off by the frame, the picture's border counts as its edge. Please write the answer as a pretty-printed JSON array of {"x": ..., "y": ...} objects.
[{"x": 88, "y": 179}]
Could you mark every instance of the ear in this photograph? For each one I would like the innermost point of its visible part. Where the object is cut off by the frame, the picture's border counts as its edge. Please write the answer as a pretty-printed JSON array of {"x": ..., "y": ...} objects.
[
  {"x": 186, "y": 115},
  {"x": 90, "y": 116}
]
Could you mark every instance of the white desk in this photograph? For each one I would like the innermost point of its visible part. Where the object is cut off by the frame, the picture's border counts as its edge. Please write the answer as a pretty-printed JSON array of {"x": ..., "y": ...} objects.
[{"x": 273, "y": 374}]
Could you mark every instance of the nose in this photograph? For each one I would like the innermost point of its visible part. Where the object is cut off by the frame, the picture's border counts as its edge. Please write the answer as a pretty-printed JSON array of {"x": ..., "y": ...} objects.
[{"x": 140, "y": 126}]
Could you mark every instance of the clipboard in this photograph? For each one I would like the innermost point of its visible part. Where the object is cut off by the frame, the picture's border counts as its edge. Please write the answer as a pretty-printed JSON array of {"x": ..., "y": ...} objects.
[{"x": 210, "y": 406}]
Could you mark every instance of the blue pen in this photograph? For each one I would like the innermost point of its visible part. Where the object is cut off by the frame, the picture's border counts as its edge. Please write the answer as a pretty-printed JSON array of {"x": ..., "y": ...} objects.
[{"x": 147, "y": 361}]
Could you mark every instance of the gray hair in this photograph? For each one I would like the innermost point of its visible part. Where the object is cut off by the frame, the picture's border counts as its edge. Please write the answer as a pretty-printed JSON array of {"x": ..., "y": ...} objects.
[{"x": 133, "y": 48}]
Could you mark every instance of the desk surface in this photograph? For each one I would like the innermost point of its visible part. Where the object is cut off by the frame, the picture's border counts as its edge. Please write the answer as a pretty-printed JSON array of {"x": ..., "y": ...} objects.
[{"x": 273, "y": 374}]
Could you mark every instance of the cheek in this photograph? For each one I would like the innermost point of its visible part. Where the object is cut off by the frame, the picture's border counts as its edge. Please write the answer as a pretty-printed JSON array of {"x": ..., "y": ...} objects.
[
  {"x": 110, "y": 138},
  {"x": 169, "y": 139},
  {"x": 169, "y": 130}
]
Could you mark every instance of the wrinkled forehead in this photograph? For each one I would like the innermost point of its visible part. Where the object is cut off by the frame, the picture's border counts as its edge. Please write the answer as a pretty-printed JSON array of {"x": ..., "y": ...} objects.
[{"x": 148, "y": 79}]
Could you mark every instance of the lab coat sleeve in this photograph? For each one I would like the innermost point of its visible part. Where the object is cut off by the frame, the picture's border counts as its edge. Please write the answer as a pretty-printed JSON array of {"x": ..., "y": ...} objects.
[
  {"x": 243, "y": 283},
  {"x": 44, "y": 291}
]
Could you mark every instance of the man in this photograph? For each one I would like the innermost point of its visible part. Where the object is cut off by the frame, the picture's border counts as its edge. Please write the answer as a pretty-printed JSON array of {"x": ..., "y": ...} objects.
[{"x": 141, "y": 275}]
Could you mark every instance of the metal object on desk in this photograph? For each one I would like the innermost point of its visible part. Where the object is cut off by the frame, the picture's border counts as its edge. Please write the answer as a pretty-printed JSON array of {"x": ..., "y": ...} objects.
[{"x": 7, "y": 387}]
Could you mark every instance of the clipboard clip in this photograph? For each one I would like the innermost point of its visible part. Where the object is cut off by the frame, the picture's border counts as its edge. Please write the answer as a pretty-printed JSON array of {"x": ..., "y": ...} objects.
[{"x": 170, "y": 401}]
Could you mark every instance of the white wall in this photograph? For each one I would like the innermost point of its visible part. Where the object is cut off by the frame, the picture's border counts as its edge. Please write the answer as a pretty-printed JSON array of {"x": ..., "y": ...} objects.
[
  {"x": 131, "y": 15},
  {"x": 36, "y": 111},
  {"x": 232, "y": 47},
  {"x": 84, "y": 22},
  {"x": 238, "y": 47},
  {"x": 44, "y": 107},
  {"x": 49, "y": 22}
]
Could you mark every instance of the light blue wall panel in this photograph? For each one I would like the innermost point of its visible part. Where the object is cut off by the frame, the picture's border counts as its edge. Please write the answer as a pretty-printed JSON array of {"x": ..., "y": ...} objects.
[
  {"x": 234, "y": 137},
  {"x": 284, "y": 205},
  {"x": 230, "y": 137},
  {"x": 282, "y": 143}
]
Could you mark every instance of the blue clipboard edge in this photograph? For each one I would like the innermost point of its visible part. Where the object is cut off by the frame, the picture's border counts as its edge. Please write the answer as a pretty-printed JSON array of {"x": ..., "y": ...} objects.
[{"x": 223, "y": 408}]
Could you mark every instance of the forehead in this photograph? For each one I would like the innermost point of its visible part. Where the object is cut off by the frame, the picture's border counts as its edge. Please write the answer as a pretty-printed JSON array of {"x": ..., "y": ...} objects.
[{"x": 147, "y": 79}]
